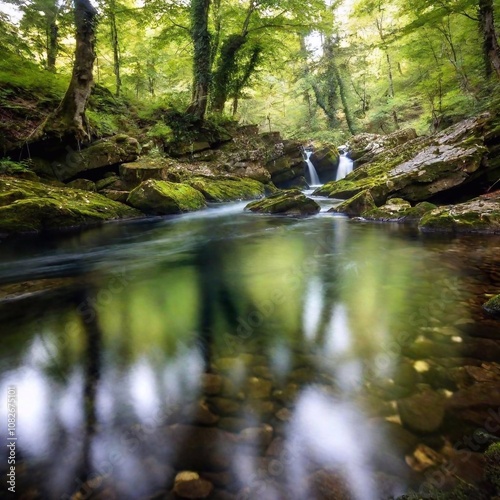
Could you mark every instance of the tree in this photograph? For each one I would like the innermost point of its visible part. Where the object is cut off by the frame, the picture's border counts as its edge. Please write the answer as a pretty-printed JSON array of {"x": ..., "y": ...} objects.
[
  {"x": 69, "y": 118},
  {"x": 202, "y": 62},
  {"x": 491, "y": 50}
]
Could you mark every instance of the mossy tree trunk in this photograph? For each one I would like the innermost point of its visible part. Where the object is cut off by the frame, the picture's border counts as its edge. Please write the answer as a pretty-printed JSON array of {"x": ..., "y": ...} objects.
[
  {"x": 201, "y": 58},
  {"x": 69, "y": 118},
  {"x": 491, "y": 50},
  {"x": 52, "y": 45},
  {"x": 115, "y": 45}
]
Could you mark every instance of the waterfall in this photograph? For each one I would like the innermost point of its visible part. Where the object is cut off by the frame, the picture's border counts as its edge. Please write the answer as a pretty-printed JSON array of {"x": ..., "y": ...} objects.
[
  {"x": 345, "y": 167},
  {"x": 313, "y": 175}
]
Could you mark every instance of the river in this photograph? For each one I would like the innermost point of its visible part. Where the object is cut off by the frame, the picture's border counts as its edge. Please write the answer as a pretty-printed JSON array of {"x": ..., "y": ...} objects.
[{"x": 275, "y": 357}]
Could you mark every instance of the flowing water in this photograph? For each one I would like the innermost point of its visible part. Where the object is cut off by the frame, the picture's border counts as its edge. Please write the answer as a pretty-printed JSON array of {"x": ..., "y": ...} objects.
[
  {"x": 313, "y": 175},
  {"x": 345, "y": 167},
  {"x": 266, "y": 354}
]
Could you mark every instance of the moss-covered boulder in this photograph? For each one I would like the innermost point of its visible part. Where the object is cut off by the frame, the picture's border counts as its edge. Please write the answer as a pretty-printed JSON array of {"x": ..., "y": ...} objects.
[
  {"x": 492, "y": 469},
  {"x": 364, "y": 147},
  {"x": 84, "y": 184},
  {"x": 291, "y": 202},
  {"x": 356, "y": 205},
  {"x": 227, "y": 189},
  {"x": 399, "y": 210},
  {"x": 493, "y": 305},
  {"x": 27, "y": 206},
  {"x": 326, "y": 161},
  {"x": 481, "y": 215},
  {"x": 132, "y": 174},
  {"x": 100, "y": 154},
  {"x": 425, "y": 168},
  {"x": 163, "y": 198}
]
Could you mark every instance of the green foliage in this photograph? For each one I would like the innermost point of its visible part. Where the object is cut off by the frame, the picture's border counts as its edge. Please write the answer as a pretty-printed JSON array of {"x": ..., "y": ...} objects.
[{"x": 9, "y": 167}]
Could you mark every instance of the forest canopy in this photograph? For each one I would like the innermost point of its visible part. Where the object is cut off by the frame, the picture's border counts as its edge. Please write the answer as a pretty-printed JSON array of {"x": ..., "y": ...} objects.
[{"x": 313, "y": 70}]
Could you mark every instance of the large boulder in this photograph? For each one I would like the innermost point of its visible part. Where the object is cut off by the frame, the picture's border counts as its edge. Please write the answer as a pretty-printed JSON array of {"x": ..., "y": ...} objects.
[
  {"x": 100, "y": 154},
  {"x": 356, "y": 205},
  {"x": 133, "y": 173},
  {"x": 227, "y": 189},
  {"x": 291, "y": 202},
  {"x": 326, "y": 161},
  {"x": 27, "y": 206},
  {"x": 426, "y": 168},
  {"x": 364, "y": 147},
  {"x": 479, "y": 215},
  {"x": 286, "y": 163},
  {"x": 162, "y": 198}
]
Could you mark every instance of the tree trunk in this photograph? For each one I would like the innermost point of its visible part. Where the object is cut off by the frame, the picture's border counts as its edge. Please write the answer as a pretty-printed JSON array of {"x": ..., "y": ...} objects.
[
  {"x": 201, "y": 58},
  {"x": 69, "y": 118},
  {"x": 116, "y": 49},
  {"x": 491, "y": 51},
  {"x": 343, "y": 98},
  {"x": 389, "y": 69},
  {"x": 226, "y": 68},
  {"x": 52, "y": 46}
]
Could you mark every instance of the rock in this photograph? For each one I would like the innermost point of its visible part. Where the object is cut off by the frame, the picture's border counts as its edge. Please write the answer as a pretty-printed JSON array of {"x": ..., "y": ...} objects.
[
  {"x": 257, "y": 436},
  {"x": 115, "y": 195},
  {"x": 102, "y": 153},
  {"x": 327, "y": 485},
  {"x": 199, "y": 413},
  {"x": 200, "y": 448},
  {"x": 485, "y": 394},
  {"x": 211, "y": 384},
  {"x": 132, "y": 174},
  {"x": 110, "y": 182},
  {"x": 292, "y": 202},
  {"x": 83, "y": 184},
  {"x": 227, "y": 189},
  {"x": 493, "y": 305},
  {"x": 478, "y": 215},
  {"x": 492, "y": 464},
  {"x": 362, "y": 202},
  {"x": 233, "y": 424},
  {"x": 422, "y": 412},
  {"x": 251, "y": 170},
  {"x": 363, "y": 147},
  {"x": 162, "y": 198},
  {"x": 258, "y": 388},
  {"x": 224, "y": 406},
  {"x": 286, "y": 164},
  {"x": 27, "y": 206},
  {"x": 190, "y": 485},
  {"x": 325, "y": 160},
  {"x": 426, "y": 167}
]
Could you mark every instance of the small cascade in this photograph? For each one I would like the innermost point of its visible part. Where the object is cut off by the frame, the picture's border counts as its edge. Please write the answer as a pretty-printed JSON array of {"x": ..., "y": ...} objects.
[
  {"x": 313, "y": 175},
  {"x": 345, "y": 167}
]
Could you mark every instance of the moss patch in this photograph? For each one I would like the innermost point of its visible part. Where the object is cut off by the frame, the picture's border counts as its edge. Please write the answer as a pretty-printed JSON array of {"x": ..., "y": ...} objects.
[
  {"x": 291, "y": 202},
  {"x": 162, "y": 198},
  {"x": 31, "y": 206},
  {"x": 493, "y": 307},
  {"x": 227, "y": 189}
]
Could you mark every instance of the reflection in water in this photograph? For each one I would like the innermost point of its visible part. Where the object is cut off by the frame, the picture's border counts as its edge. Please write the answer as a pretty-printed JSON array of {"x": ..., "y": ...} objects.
[{"x": 268, "y": 355}]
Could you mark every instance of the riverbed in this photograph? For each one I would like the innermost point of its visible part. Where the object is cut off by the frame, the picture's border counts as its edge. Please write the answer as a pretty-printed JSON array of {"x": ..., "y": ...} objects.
[{"x": 274, "y": 357}]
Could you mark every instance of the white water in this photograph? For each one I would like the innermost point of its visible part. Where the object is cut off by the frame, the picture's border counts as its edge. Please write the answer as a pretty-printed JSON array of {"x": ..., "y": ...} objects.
[
  {"x": 313, "y": 175},
  {"x": 345, "y": 167}
]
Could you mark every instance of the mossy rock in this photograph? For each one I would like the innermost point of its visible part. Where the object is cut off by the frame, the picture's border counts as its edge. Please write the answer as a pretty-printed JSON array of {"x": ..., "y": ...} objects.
[
  {"x": 162, "y": 198},
  {"x": 399, "y": 210},
  {"x": 27, "y": 206},
  {"x": 481, "y": 215},
  {"x": 493, "y": 305},
  {"x": 357, "y": 205},
  {"x": 492, "y": 457},
  {"x": 291, "y": 202},
  {"x": 83, "y": 184},
  {"x": 102, "y": 153},
  {"x": 227, "y": 189}
]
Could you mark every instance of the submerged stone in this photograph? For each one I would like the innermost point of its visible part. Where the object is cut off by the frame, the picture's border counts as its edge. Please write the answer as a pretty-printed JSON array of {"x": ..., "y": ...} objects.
[
  {"x": 189, "y": 484},
  {"x": 422, "y": 412},
  {"x": 163, "y": 198},
  {"x": 291, "y": 202}
]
